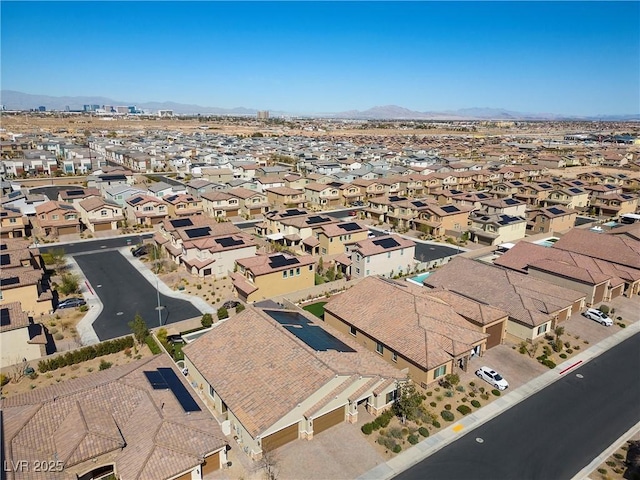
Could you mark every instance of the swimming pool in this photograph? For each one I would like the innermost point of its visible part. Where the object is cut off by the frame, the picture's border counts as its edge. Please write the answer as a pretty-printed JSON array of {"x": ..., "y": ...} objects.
[
  {"x": 547, "y": 242},
  {"x": 418, "y": 279}
]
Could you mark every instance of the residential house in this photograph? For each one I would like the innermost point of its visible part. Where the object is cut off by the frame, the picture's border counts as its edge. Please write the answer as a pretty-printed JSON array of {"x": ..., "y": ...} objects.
[
  {"x": 503, "y": 206},
  {"x": 597, "y": 279},
  {"x": 284, "y": 197},
  {"x": 145, "y": 210},
  {"x": 495, "y": 229},
  {"x": 440, "y": 220},
  {"x": 220, "y": 204},
  {"x": 409, "y": 327},
  {"x": 54, "y": 218},
  {"x": 322, "y": 196},
  {"x": 265, "y": 276},
  {"x": 160, "y": 189},
  {"x": 20, "y": 337},
  {"x": 13, "y": 224},
  {"x": 550, "y": 219},
  {"x": 573, "y": 198},
  {"x": 110, "y": 416},
  {"x": 387, "y": 255},
  {"x": 251, "y": 203},
  {"x": 120, "y": 193},
  {"x": 200, "y": 186},
  {"x": 99, "y": 215},
  {"x": 333, "y": 238},
  {"x": 533, "y": 193},
  {"x": 22, "y": 278},
  {"x": 264, "y": 183},
  {"x": 315, "y": 377},
  {"x": 535, "y": 307},
  {"x": 613, "y": 205},
  {"x": 184, "y": 204},
  {"x": 76, "y": 195}
]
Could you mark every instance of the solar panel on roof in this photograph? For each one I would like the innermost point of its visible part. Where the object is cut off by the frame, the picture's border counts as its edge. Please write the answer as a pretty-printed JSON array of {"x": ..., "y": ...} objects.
[
  {"x": 228, "y": 242},
  {"x": 317, "y": 219},
  {"x": 178, "y": 389},
  {"x": 5, "y": 319},
  {"x": 482, "y": 196},
  {"x": 15, "y": 194},
  {"x": 510, "y": 201},
  {"x": 386, "y": 243},
  {"x": 172, "y": 198},
  {"x": 9, "y": 281},
  {"x": 517, "y": 183},
  {"x": 155, "y": 379},
  {"x": 3, "y": 247},
  {"x": 555, "y": 211},
  {"x": 4, "y": 214},
  {"x": 395, "y": 198},
  {"x": 135, "y": 200},
  {"x": 181, "y": 222},
  {"x": 575, "y": 190},
  {"x": 278, "y": 261},
  {"x": 350, "y": 227},
  {"x": 198, "y": 232},
  {"x": 419, "y": 204},
  {"x": 5, "y": 259},
  {"x": 292, "y": 212},
  {"x": 545, "y": 185},
  {"x": 74, "y": 193},
  {"x": 450, "y": 208}
]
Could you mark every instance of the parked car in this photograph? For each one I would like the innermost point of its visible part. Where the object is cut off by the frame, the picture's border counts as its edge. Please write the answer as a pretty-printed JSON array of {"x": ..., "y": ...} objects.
[
  {"x": 598, "y": 316},
  {"x": 494, "y": 378},
  {"x": 353, "y": 213},
  {"x": 140, "y": 251},
  {"x": 72, "y": 303},
  {"x": 230, "y": 304}
]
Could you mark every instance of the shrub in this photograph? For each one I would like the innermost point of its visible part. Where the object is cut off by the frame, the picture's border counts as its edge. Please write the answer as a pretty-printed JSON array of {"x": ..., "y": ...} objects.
[
  {"x": 58, "y": 336},
  {"x": 432, "y": 404},
  {"x": 239, "y": 308},
  {"x": 413, "y": 439},
  {"x": 464, "y": 400},
  {"x": 153, "y": 346},
  {"x": 447, "y": 406},
  {"x": 476, "y": 403},
  {"x": 423, "y": 431},
  {"x": 484, "y": 396},
  {"x": 611, "y": 463},
  {"x": 602, "y": 470},
  {"x": 563, "y": 355},
  {"x": 577, "y": 347},
  {"x": 207, "y": 320},
  {"x": 4, "y": 379},
  {"x": 222, "y": 313},
  {"x": 388, "y": 442},
  {"x": 495, "y": 392},
  {"x": 447, "y": 415},
  {"x": 604, "y": 309},
  {"x": 104, "y": 365},
  {"x": 448, "y": 393},
  {"x": 439, "y": 398},
  {"x": 367, "y": 428},
  {"x": 619, "y": 456},
  {"x": 429, "y": 393},
  {"x": 471, "y": 394},
  {"x": 397, "y": 449},
  {"x": 395, "y": 432},
  {"x": 569, "y": 351},
  {"x": 84, "y": 308},
  {"x": 436, "y": 423},
  {"x": 460, "y": 388},
  {"x": 549, "y": 363},
  {"x": 464, "y": 409}
]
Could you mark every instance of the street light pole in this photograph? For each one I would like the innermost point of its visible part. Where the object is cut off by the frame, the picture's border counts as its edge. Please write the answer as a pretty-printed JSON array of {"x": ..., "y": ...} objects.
[{"x": 159, "y": 308}]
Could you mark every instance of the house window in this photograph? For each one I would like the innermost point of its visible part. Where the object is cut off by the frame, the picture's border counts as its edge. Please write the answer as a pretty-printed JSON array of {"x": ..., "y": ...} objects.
[
  {"x": 392, "y": 396},
  {"x": 103, "y": 213},
  {"x": 291, "y": 272},
  {"x": 352, "y": 330},
  {"x": 379, "y": 348},
  {"x": 368, "y": 259},
  {"x": 298, "y": 271},
  {"x": 284, "y": 274},
  {"x": 401, "y": 251},
  {"x": 12, "y": 220},
  {"x": 55, "y": 217},
  {"x": 394, "y": 356},
  {"x": 440, "y": 371},
  {"x": 542, "y": 328},
  {"x": 388, "y": 254},
  {"x": 310, "y": 267},
  {"x": 212, "y": 392}
]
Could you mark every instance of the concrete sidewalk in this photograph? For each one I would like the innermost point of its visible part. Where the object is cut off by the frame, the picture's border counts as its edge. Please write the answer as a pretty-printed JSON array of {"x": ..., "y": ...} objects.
[{"x": 448, "y": 435}]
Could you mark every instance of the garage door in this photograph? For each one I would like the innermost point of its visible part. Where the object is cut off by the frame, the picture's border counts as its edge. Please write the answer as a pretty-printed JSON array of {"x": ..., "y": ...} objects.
[
  {"x": 67, "y": 230},
  {"x": 211, "y": 463},
  {"x": 494, "y": 335},
  {"x": 281, "y": 437},
  {"x": 328, "y": 420},
  {"x": 101, "y": 227}
]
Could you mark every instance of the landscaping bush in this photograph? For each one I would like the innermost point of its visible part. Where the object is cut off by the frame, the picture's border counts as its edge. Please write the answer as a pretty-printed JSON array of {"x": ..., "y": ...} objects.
[
  {"x": 206, "y": 320},
  {"x": 464, "y": 409},
  {"x": 432, "y": 404},
  {"x": 448, "y": 393},
  {"x": 239, "y": 308},
  {"x": 436, "y": 423},
  {"x": 429, "y": 393},
  {"x": 367, "y": 428},
  {"x": 423, "y": 431},
  {"x": 460, "y": 388},
  {"x": 222, "y": 313},
  {"x": 476, "y": 403},
  {"x": 604, "y": 309},
  {"x": 4, "y": 379},
  {"x": 619, "y": 456},
  {"x": 569, "y": 351},
  {"x": 495, "y": 392},
  {"x": 447, "y": 415},
  {"x": 83, "y": 308},
  {"x": 472, "y": 395},
  {"x": 549, "y": 363},
  {"x": 58, "y": 336},
  {"x": 104, "y": 365},
  {"x": 413, "y": 439},
  {"x": 387, "y": 442},
  {"x": 611, "y": 463},
  {"x": 395, "y": 432},
  {"x": 447, "y": 406},
  {"x": 397, "y": 449},
  {"x": 484, "y": 396},
  {"x": 563, "y": 355},
  {"x": 153, "y": 346},
  {"x": 86, "y": 353}
]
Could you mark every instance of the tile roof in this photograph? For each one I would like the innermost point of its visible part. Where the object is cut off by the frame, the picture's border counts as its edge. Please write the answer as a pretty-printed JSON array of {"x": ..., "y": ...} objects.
[
  {"x": 376, "y": 246},
  {"x": 117, "y": 413},
  {"x": 12, "y": 317},
  {"x": 422, "y": 327},
  {"x": 528, "y": 300},
  {"x": 263, "y": 264}
]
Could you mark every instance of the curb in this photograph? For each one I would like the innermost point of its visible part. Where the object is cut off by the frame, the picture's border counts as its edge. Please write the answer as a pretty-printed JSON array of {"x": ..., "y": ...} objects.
[{"x": 427, "y": 447}]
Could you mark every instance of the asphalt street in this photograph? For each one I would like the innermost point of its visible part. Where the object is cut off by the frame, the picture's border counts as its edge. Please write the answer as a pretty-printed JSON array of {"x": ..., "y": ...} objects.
[
  {"x": 52, "y": 191},
  {"x": 124, "y": 292},
  {"x": 97, "y": 245},
  {"x": 553, "y": 434}
]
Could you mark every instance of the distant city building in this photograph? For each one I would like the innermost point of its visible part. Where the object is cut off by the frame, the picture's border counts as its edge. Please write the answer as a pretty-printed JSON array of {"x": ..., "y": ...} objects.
[
  {"x": 90, "y": 108},
  {"x": 122, "y": 109},
  {"x": 67, "y": 108},
  {"x": 42, "y": 109},
  {"x": 109, "y": 108},
  {"x": 263, "y": 114},
  {"x": 165, "y": 113}
]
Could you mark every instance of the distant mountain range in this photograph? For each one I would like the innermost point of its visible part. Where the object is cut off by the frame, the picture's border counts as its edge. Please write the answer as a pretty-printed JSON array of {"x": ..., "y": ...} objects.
[{"x": 13, "y": 100}]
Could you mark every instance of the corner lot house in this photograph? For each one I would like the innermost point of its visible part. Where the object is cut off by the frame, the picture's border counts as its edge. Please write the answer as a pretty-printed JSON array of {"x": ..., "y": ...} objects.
[
  {"x": 138, "y": 420},
  {"x": 20, "y": 337},
  {"x": 280, "y": 375},
  {"x": 265, "y": 276},
  {"x": 407, "y": 326},
  {"x": 99, "y": 214},
  {"x": 53, "y": 219},
  {"x": 145, "y": 210},
  {"x": 534, "y": 306},
  {"x": 12, "y": 223},
  {"x": 386, "y": 255}
]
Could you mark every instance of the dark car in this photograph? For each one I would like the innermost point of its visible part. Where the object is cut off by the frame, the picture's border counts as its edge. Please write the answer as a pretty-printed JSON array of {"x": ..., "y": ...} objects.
[
  {"x": 230, "y": 304},
  {"x": 140, "y": 251},
  {"x": 72, "y": 303}
]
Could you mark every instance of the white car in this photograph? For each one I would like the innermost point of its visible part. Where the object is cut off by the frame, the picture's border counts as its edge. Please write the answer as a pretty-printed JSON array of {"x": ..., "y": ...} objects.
[
  {"x": 598, "y": 316},
  {"x": 494, "y": 378}
]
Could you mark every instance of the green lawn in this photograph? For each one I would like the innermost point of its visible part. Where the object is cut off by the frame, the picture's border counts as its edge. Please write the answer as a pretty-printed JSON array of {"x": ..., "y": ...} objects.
[{"x": 316, "y": 308}]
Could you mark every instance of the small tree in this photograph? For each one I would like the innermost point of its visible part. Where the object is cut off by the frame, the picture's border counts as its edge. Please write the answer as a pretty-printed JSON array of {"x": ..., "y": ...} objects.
[
  {"x": 320, "y": 266},
  {"x": 270, "y": 464},
  {"x": 58, "y": 258},
  {"x": 70, "y": 284},
  {"x": 207, "y": 320},
  {"x": 239, "y": 308},
  {"x": 139, "y": 328},
  {"x": 408, "y": 406},
  {"x": 222, "y": 313}
]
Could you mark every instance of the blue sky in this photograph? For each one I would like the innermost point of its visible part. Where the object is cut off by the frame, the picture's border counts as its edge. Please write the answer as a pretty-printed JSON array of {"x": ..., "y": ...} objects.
[{"x": 579, "y": 58}]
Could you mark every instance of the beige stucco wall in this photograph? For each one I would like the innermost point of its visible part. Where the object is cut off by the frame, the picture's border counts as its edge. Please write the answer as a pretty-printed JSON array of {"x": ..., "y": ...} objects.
[
  {"x": 14, "y": 347},
  {"x": 274, "y": 284},
  {"x": 224, "y": 261},
  {"x": 336, "y": 246},
  {"x": 383, "y": 264},
  {"x": 524, "y": 332}
]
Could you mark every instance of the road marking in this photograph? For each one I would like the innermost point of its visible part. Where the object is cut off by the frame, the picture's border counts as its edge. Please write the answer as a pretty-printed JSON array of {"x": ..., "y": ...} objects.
[
  {"x": 458, "y": 428},
  {"x": 479, "y": 440},
  {"x": 98, "y": 286},
  {"x": 570, "y": 367},
  {"x": 103, "y": 246},
  {"x": 120, "y": 313},
  {"x": 579, "y": 375}
]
